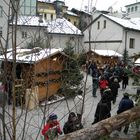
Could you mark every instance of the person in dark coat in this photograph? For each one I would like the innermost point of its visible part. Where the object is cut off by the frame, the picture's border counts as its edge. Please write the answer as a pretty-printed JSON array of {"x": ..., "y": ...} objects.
[
  {"x": 72, "y": 124},
  {"x": 125, "y": 79},
  {"x": 95, "y": 82},
  {"x": 102, "y": 110},
  {"x": 114, "y": 86},
  {"x": 107, "y": 94},
  {"x": 125, "y": 104}
]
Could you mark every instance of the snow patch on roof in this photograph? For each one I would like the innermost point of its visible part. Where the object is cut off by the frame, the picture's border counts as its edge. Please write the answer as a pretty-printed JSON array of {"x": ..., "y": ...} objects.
[
  {"x": 31, "y": 55},
  {"x": 107, "y": 53},
  {"x": 71, "y": 13},
  {"x": 133, "y": 23},
  {"x": 58, "y": 26},
  {"x": 137, "y": 62}
]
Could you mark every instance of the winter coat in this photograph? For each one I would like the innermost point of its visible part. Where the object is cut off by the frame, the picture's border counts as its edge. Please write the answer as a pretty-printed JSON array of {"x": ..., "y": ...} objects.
[
  {"x": 51, "y": 130},
  {"x": 71, "y": 126},
  {"x": 125, "y": 79},
  {"x": 103, "y": 83},
  {"x": 125, "y": 104},
  {"x": 102, "y": 111},
  {"x": 108, "y": 97},
  {"x": 78, "y": 101},
  {"x": 114, "y": 88}
]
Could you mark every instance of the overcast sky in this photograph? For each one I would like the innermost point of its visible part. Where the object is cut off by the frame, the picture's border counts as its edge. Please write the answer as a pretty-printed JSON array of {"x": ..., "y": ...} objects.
[{"x": 99, "y": 4}]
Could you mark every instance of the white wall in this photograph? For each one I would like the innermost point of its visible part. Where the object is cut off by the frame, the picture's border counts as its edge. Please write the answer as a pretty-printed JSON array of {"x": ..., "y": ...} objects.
[
  {"x": 111, "y": 32},
  {"x": 56, "y": 40},
  {"x": 134, "y": 13},
  {"x": 136, "y": 36}
]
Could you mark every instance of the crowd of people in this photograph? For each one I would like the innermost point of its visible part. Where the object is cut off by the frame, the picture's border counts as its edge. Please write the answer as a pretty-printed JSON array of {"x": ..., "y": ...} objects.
[{"x": 108, "y": 80}]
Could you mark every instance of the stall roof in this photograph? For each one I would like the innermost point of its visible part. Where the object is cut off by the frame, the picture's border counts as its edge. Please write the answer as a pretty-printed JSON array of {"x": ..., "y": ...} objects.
[
  {"x": 137, "y": 62},
  {"x": 107, "y": 53},
  {"x": 30, "y": 55}
]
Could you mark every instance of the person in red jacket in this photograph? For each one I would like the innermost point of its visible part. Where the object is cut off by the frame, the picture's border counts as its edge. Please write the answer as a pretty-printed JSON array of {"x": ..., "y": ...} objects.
[
  {"x": 52, "y": 128},
  {"x": 103, "y": 83}
]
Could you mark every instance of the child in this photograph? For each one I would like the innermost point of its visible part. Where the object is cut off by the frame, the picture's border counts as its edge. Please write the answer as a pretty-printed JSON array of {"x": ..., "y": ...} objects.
[{"x": 52, "y": 128}]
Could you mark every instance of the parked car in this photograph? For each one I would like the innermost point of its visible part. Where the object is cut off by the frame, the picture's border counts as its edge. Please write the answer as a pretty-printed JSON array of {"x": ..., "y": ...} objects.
[{"x": 136, "y": 69}]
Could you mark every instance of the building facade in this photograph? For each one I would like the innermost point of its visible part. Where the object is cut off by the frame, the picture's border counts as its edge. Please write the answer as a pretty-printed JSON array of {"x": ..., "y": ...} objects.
[
  {"x": 57, "y": 9},
  {"x": 53, "y": 34},
  {"x": 112, "y": 33},
  {"x": 133, "y": 10}
]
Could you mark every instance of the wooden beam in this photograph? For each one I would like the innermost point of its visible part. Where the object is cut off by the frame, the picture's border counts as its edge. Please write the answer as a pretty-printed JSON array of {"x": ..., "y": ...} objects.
[
  {"x": 105, "y": 41},
  {"x": 105, "y": 127}
]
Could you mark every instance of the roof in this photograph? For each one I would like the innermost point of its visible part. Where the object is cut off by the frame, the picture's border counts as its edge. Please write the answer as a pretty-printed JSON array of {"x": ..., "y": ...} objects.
[
  {"x": 81, "y": 11},
  {"x": 46, "y": 1},
  {"x": 71, "y": 13},
  {"x": 107, "y": 53},
  {"x": 137, "y": 62},
  {"x": 133, "y": 23},
  {"x": 31, "y": 55},
  {"x": 132, "y": 4},
  {"x": 58, "y": 26}
]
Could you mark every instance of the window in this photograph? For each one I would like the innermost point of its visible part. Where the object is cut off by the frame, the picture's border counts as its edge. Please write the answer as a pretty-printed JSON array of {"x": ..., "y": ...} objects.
[
  {"x": 128, "y": 10},
  {"x": 132, "y": 9},
  {"x": 69, "y": 20},
  {"x": 98, "y": 26},
  {"x": 72, "y": 38},
  {"x": 131, "y": 43},
  {"x": 51, "y": 16},
  {"x": 0, "y": 31},
  {"x": 45, "y": 16},
  {"x": 24, "y": 34},
  {"x": 104, "y": 23},
  {"x": 136, "y": 8},
  {"x": 75, "y": 23},
  {"x": 1, "y": 11}
]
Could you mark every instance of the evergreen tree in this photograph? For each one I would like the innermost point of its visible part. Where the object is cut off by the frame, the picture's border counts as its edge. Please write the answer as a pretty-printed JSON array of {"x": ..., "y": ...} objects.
[
  {"x": 125, "y": 57},
  {"x": 71, "y": 75}
]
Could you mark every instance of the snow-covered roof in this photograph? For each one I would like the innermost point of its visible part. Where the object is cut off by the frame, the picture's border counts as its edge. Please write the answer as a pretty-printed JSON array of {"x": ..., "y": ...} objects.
[
  {"x": 137, "y": 62},
  {"x": 71, "y": 13},
  {"x": 51, "y": 1},
  {"x": 58, "y": 26},
  {"x": 31, "y": 55},
  {"x": 133, "y": 23},
  {"x": 107, "y": 53},
  {"x": 62, "y": 26},
  {"x": 45, "y": 1}
]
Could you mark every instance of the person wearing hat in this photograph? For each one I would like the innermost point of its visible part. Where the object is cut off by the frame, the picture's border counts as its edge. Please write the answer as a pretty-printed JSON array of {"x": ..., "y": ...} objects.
[
  {"x": 72, "y": 124},
  {"x": 114, "y": 86},
  {"x": 125, "y": 104},
  {"x": 51, "y": 130}
]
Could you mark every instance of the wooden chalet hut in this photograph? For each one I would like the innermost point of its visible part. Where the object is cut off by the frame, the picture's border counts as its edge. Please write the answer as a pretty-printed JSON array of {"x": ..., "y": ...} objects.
[
  {"x": 101, "y": 57},
  {"x": 41, "y": 68}
]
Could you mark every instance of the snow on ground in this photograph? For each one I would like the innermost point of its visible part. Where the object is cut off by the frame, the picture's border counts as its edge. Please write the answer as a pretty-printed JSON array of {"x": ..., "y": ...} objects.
[{"x": 61, "y": 108}]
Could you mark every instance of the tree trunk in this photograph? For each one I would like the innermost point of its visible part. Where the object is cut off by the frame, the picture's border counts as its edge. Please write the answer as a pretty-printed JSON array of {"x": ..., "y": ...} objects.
[{"x": 105, "y": 127}]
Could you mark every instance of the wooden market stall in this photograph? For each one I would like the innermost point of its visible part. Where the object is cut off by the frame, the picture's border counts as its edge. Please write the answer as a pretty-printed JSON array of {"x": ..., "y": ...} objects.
[
  {"x": 41, "y": 69},
  {"x": 101, "y": 57}
]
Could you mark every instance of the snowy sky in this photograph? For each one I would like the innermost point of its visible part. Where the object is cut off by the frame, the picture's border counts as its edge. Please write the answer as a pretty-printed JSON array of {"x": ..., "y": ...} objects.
[{"x": 99, "y": 4}]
